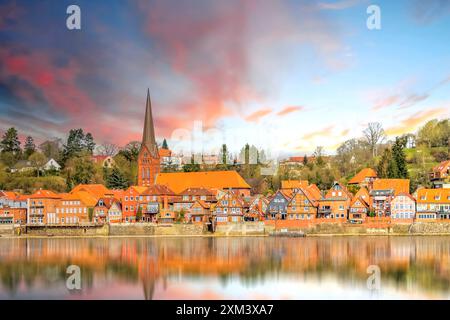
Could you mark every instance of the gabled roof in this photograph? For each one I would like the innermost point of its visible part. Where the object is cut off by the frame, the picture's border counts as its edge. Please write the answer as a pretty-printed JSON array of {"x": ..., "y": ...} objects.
[
  {"x": 442, "y": 167},
  {"x": 338, "y": 187},
  {"x": 364, "y": 194},
  {"x": 179, "y": 181},
  {"x": 362, "y": 175},
  {"x": 203, "y": 204},
  {"x": 198, "y": 192},
  {"x": 11, "y": 195},
  {"x": 405, "y": 194},
  {"x": 360, "y": 200},
  {"x": 107, "y": 202},
  {"x": 398, "y": 185},
  {"x": 44, "y": 194},
  {"x": 307, "y": 194},
  {"x": 293, "y": 184},
  {"x": 314, "y": 191},
  {"x": 158, "y": 190}
]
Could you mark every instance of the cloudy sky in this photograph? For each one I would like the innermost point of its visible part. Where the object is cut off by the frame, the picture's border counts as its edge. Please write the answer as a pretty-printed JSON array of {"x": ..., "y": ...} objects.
[{"x": 283, "y": 75}]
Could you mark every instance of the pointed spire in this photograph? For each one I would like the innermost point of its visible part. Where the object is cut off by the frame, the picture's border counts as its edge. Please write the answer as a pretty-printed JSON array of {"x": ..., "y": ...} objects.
[{"x": 148, "y": 136}]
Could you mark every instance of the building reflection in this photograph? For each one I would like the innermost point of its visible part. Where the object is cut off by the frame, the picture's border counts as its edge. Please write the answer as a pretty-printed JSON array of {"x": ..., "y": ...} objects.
[{"x": 421, "y": 262}]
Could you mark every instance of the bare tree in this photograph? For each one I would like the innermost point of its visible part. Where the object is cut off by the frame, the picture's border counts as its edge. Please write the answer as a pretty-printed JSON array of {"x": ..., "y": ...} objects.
[
  {"x": 374, "y": 134},
  {"x": 107, "y": 149}
]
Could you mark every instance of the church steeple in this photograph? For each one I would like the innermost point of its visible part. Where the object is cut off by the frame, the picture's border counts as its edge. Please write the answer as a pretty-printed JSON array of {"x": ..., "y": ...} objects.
[
  {"x": 148, "y": 135},
  {"x": 148, "y": 159}
]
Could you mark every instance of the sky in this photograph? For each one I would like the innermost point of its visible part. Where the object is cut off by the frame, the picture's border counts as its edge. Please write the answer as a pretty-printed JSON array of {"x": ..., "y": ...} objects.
[{"x": 286, "y": 76}]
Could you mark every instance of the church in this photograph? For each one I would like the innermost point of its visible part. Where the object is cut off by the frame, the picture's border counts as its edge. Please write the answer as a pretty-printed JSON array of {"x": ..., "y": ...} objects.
[{"x": 149, "y": 167}]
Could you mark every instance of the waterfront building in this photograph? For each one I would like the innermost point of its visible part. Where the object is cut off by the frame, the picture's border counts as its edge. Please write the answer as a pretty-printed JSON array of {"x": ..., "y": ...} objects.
[
  {"x": 257, "y": 208},
  {"x": 41, "y": 207},
  {"x": 230, "y": 207},
  {"x": 74, "y": 208},
  {"x": 384, "y": 191},
  {"x": 199, "y": 212},
  {"x": 277, "y": 207},
  {"x": 153, "y": 201},
  {"x": 433, "y": 204},
  {"x": 336, "y": 203},
  {"x": 302, "y": 205},
  {"x": 403, "y": 208},
  {"x": 13, "y": 208},
  {"x": 108, "y": 210},
  {"x": 293, "y": 185},
  {"x": 130, "y": 202}
]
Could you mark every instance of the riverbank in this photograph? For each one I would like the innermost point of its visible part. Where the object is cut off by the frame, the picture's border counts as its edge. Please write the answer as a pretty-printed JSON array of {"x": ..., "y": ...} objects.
[{"x": 225, "y": 230}]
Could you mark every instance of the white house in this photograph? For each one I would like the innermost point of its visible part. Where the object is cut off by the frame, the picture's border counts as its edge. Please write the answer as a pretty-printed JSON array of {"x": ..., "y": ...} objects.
[{"x": 51, "y": 165}]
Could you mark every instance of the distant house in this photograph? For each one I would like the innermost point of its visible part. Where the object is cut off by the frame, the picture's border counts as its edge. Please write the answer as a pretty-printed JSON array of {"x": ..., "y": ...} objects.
[
  {"x": 200, "y": 212},
  {"x": 51, "y": 165},
  {"x": 229, "y": 207},
  {"x": 440, "y": 173},
  {"x": 167, "y": 158},
  {"x": 108, "y": 210},
  {"x": 104, "y": 161},
  {"x": 364, "y": 178},
  {"x": 23, "y": 166}
]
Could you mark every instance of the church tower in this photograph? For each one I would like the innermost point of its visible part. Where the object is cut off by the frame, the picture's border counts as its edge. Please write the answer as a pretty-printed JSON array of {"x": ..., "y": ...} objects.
[{"x": 148, "y": 159}]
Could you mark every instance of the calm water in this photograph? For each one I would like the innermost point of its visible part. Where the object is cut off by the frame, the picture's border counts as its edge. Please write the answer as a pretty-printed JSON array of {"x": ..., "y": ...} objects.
[{"x": 231, "y": 268}]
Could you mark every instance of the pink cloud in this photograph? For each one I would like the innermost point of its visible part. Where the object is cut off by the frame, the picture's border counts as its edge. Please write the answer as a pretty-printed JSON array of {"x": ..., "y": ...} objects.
[{"x": 290, "y": 109}]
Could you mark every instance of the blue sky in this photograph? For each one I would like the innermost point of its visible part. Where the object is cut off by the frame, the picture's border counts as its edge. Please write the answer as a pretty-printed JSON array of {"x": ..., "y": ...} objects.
[{"x": 286, "y": 76}]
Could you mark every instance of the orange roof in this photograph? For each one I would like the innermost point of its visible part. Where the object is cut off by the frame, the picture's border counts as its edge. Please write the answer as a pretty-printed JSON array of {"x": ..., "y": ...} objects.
[
  {"x": 314, "y": 191},
  {"x": 433, "y": 195},
  {"x": 398, "y": 185},
  {"x": 159, "y": 190},
  {"x": 139, "y": 189},
  {"x": 363, "y": 201},
  {"x": 293, "y": 184},
  {"x": 198, "y": 192},
  {"x": 406, "y": 194},
  {"x": 442, "y": 167},
  {"x": 179, "y": 181},
  {"x": 164, "y": 152},
  {"x": 363, "y": 174},
  {"x": 22, "y": 197},
  {"x": 9, "y": 194},
  {"x": 85, "y": 197},
  {"x": 97, "y": 190},
  {"x": 42, "y": 194},
  {"x": 364, "y": 194}
]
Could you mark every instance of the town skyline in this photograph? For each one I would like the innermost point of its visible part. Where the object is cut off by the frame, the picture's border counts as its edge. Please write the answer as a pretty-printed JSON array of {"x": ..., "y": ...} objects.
[{"x": 219, "y": 65}]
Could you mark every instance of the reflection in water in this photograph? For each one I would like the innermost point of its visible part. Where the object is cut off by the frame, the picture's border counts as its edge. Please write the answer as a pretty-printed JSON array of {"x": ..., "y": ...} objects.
[{"x": 232, "y": 268}]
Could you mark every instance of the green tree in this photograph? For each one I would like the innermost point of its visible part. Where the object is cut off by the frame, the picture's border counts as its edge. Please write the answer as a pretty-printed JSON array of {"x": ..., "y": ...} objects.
[
  {"x": 139, "y": 214},
  {"x": 305, "y": 160},
  {"x": 164, "y": 144},
  {"x": 29, "y": 147},
  {"x": 51, "y": 148},
  {"x": 10, "y": 142},
  {"x": 77, "y": 142},
  {"x": 91, "y": 214},
  {"x": 399, "y": 158},
  {"x": 224, "y": 154},
  {"x": 79, "y": 170},
  {"x": 37, "y": 160},
  {"x": 116, "y": 179},
  {"x": 131, "y": 151},
  {"x": 384, "y": 163},
  {"x": 8, "y": 158}
]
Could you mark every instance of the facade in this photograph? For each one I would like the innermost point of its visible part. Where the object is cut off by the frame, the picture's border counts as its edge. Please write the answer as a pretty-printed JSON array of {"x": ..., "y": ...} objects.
[
  {"x": 51, "y": 165},
  {"x": 277, "y": 207},
  {"x": 154, "y": 200},
  {"x": 384, "y": 190},
  {"x": 257, "y": 208},
  {"x": 440, "y": 174},
  {"x": 359, "y": 209},
  {"x": 13, "y": 208},
  {"x": 108, "y": 210},
  {"x": 130, "y": 202},
  {"x": 41, "y": 207},
  {"x": 433, "y": 204},
  {"x": 230, "y": 207},
  {"x": 148, "y": 158},
  {"x": 302, "y": 206},
  {"x": 189, "y": 196},
  {"x": 336, "y": 203},
  {"x": 74, "y": 208},
  {"x": 200, "y": 212},
  {"x": 403, "y": 207}
]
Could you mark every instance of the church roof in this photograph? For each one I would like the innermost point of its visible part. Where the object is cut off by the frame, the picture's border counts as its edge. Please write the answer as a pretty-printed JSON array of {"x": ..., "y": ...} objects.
[
  {"x": 148, "y": 135},
  {"x": 179, "y": 181}
]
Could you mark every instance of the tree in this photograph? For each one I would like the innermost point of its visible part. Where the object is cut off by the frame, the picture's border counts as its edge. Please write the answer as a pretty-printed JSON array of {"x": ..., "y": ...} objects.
[
  {"x": 107, "y": 149},
  {"x": 305, "y": 160},
  {"x": 318, "y": 154},
  {"x": 164, "y": 144},
  {"x": 29, "y": 147},
  {"x": 79, "y": 170},
  {"x": 223, "y": 155},
  {"x": 139, "y": 214},
  {"x": 116, "y": 180},
  {"x": 37, "y": 160},
  {"x": 51, "y": 148},
  {"x": 77, "y": 142},
  {"x": 91, "y": 214},
  {"x": 383, "y": 164},
  {"x": 10, "y": 142},
  {"x": 131, "y": 151},
  {"x": 374, "y": 134},
  {"x": 399, "y": 158}
]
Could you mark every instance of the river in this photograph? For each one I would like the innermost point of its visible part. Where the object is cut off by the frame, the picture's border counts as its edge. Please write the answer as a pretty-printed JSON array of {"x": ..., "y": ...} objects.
[{"x": 226, "y": 268}]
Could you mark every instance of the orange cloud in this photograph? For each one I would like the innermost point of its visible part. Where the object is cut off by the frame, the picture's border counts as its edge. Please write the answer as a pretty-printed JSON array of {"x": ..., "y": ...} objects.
[
  {"x": 290, "y": 109},
  {"x": 324, "y": 132},
  {"x": 411, "y": 123},
  {"x": 255, "y": 116}
]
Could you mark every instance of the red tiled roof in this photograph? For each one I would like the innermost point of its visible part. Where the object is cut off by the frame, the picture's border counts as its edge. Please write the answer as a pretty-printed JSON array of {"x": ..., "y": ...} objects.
[
  {"x": 44, "y": 194},
  {"x": 363, "y": 174},
  {"x": 398, "y": 185}
]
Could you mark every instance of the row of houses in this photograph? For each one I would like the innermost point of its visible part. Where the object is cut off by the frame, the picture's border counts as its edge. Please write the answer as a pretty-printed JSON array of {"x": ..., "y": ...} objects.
[{"x": 224, "y": 197}]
